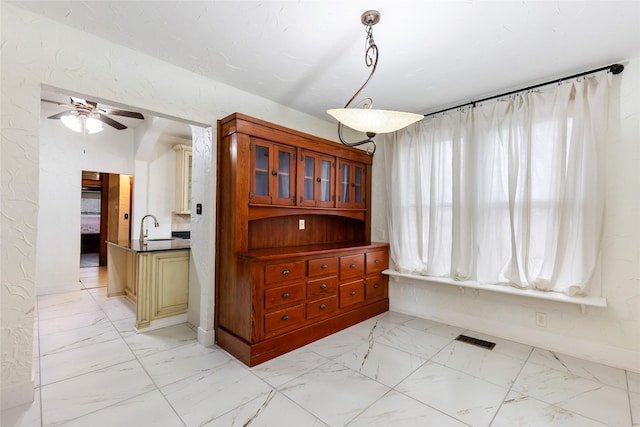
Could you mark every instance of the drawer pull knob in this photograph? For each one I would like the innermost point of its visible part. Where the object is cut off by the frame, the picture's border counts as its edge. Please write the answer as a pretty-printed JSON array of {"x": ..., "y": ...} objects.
[
  {"x": 377, "y": 261},
  {"x": 285, "y": 272},
  {"x": 323, "y": 306},
  {"x": 352, "y": 266},
  {"x": 285, "y": 295},
  {"x": 285, "y": 317},
  {"x": 352, "y": 293},
  {"x": 324, "y": 266},
  {"x": 376, "y": 286},
  {"x": 323, "y": 286}
]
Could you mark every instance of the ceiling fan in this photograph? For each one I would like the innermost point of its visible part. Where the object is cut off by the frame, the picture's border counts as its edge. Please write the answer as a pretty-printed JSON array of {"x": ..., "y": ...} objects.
[{"x": 86, "y": 110}]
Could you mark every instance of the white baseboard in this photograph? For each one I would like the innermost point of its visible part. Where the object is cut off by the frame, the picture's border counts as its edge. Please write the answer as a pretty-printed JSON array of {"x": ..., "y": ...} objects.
[
  {"x": 163, "y": 323},
  {"x": 206, "y": 338},
  {"x": 17, "y": 394},
  {"x": 587, "y": 350}
]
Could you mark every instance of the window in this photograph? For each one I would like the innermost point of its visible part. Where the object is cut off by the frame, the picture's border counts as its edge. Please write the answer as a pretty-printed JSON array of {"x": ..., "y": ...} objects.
[{"x": 507, "y": 192}]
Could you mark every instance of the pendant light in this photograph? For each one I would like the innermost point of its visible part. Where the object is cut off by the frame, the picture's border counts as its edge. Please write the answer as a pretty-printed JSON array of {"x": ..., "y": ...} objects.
[{"x": 365, "y": 119}]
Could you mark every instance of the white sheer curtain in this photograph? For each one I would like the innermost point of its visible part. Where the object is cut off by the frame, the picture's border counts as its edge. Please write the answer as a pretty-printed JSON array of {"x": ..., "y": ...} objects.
[{"x": 511, "y": 191}]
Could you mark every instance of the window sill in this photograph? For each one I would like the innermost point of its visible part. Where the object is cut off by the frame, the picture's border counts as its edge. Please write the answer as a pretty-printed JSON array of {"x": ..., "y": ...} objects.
[{"x": 583, "y": 302}]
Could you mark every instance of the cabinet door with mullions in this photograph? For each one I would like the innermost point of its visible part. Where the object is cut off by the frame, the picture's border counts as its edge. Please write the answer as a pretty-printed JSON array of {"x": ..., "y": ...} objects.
[
  {"x": 273, "y": 171},
  {"x": 325, "y": 179},
  {"x": 316, "y": 177},
  {"x": 351, "y": 184},
  {"x": 284, "y": 174}
]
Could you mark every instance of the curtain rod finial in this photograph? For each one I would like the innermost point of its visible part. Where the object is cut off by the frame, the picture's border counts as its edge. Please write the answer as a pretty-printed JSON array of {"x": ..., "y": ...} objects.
[{"x": 616, "y": 68}]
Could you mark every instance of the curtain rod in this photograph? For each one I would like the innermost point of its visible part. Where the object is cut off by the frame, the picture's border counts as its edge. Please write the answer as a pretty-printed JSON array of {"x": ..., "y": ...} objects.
[{"x": 613, "y": 68}]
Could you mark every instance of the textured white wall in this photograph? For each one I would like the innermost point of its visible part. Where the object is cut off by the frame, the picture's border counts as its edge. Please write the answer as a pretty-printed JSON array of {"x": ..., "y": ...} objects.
[
  {"x": 161, "y": 189},
  {"x": 37, "y": 51},
  {"x": 611, "y": 335},
  {"x": 203, "y": 229},
  {"x": 63, "y": 157}
]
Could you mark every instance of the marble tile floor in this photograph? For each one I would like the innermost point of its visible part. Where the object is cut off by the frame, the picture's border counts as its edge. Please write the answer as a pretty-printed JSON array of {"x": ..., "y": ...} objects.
[
  {"x": 93, "y": 277},
  {"x": 93, "y": 370}
]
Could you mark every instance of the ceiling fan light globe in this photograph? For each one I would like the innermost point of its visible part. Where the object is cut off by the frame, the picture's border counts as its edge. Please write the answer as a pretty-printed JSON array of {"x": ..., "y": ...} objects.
[
  {"x": 374, "y": 121},
  {"x": 72, "y": 122},
  {"x": 93, "y": 125}
]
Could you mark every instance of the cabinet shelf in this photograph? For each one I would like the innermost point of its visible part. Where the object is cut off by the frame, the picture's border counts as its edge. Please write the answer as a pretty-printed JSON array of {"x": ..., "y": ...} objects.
[
  {"x": 306, "y": 250},
  {"x": 269, "y": 211}
]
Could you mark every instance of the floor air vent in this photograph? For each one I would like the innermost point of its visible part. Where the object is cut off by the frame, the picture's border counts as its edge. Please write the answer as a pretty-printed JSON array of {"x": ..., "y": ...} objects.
[{"x": 477, "y": 342}]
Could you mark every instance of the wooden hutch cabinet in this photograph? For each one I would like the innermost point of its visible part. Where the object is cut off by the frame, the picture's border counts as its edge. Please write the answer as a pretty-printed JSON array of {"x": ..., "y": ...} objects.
[{"x": 294, "y": 260}]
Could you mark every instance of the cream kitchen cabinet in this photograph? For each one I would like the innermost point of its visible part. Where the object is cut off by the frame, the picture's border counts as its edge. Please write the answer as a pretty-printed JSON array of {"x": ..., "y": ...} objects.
[
  {"x": 183, "y": 178},
  {"x": 155, "y": 276}
]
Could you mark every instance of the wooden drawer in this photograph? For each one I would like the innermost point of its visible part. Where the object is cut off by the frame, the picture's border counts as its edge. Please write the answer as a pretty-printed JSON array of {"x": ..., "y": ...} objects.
[
  {"x": 376, "y": 261},
  {"x": 322, "y": 266},
  {"x": 274, "y": 297},
  {"x": 351, "y": 293},
  {"x": 324, "y": 286},
  {"x": 287, "y": 318},
  {"x": 376, "y": 287},
  {"x": 351, "y": 266},
  {"x": 322, "y": 307},
  {"x": 274, "y": 273}
]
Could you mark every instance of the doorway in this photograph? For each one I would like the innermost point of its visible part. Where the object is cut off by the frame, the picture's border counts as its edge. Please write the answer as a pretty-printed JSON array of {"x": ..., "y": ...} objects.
[{"x": 105, "y": 211}]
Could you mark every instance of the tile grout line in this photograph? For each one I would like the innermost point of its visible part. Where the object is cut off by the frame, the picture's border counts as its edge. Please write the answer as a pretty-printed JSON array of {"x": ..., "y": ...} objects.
[
  {"x": 427, "y": 360},
  {"x": 524, "y": 363},
  {"x": 75, "y": 376},
  {"x": 626, "y": 377},
  {"x": 137, "y": 359}
]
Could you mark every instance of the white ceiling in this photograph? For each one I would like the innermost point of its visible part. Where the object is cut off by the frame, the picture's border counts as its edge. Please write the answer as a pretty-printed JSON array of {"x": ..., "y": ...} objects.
[{"x": 309, "y": 55}]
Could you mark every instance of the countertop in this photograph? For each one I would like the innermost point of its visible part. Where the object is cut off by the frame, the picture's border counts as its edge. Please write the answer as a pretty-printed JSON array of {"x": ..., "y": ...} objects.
[{"x": 153, "y": 245}]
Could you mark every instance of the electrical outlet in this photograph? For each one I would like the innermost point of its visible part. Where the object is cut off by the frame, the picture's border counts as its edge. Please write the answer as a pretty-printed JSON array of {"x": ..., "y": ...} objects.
[
  {"x": 541, "y": 319},
  {"x": 301, "y": 224}
]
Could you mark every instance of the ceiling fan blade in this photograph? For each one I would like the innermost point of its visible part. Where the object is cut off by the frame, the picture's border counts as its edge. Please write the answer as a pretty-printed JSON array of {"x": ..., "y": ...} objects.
[
  {"x": 57, "y": 103},
  {"x": 64, "y": 113},
  {"x": 109, "y": 121},
  {"x": 122, "y": 113}
]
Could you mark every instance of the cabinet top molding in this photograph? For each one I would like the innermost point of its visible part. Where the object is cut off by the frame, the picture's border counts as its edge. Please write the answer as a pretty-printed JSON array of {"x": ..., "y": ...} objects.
[{"x": 241, "y": 123}]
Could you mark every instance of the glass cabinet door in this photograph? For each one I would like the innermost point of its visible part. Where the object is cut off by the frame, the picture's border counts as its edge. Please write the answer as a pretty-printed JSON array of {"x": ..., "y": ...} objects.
[
  {"x": 351, "y": 185},
  {"x": 316, "y": 180},
  {"x": 284, "y": 173},
  {"x": 358, "y": 176},
  {"x": 345, "y": 180},
  {"x": 308, "y": 180},
  {"x": 324, "y": 181},
  {"x": 260, "y": 171},
  {"x": 273, "y": 171}
]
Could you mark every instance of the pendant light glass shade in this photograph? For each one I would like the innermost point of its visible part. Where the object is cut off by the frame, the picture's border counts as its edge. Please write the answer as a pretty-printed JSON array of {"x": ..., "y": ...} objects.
[
  {"x": 368, "y": 120},
  {"x": 374, "y": 121}
]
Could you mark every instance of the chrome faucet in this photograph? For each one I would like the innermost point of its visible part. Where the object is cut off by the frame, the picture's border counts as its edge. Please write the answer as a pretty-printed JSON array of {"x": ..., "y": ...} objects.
[{"x": 143, "y": 234}]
